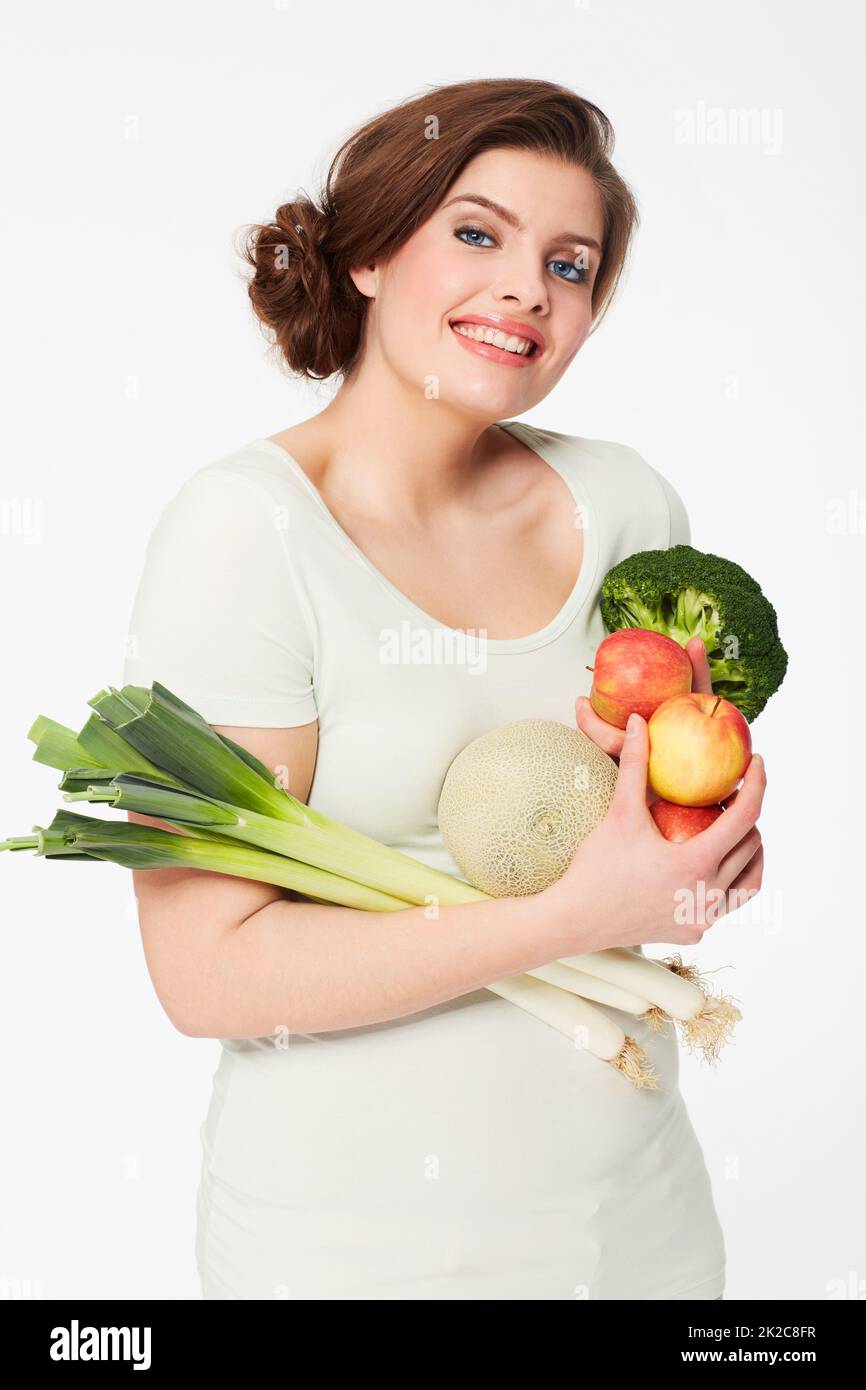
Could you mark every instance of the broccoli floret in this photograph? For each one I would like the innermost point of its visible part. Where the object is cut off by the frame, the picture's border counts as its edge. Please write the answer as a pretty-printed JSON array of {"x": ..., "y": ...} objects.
[{"x": 686, "y": 593}]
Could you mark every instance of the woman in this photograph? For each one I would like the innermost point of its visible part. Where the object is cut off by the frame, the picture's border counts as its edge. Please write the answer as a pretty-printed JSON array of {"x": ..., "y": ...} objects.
[{"x": 382, "y": 1126}]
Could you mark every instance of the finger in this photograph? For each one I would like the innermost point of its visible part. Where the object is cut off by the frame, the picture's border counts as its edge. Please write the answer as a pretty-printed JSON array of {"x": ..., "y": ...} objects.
[
  {"x": 606, "y": 736},
  {"x": 748, "y": 883},
  {"x": 731, "y": 800},
  {"x": 629, "y": 795},
  {"x": 728, "y": 829},
  {"x": 740, "y": 856},
  {"x": 697, "y": 653}
]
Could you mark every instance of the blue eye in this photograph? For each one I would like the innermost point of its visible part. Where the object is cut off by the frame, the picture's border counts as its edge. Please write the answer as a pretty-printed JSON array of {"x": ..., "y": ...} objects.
[
  {"x": 475, "y": 231},
  {"x": 580, "y": 270},
  {"x": 581, "y": 273}
]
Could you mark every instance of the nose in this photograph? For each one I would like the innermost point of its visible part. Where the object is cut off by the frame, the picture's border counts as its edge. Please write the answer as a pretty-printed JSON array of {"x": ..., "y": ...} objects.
[{"x": 521, "y": 284}]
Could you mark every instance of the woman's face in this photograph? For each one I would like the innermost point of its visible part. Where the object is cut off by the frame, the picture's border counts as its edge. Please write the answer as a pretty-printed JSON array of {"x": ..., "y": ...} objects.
[{"x": 529, "y": 268}]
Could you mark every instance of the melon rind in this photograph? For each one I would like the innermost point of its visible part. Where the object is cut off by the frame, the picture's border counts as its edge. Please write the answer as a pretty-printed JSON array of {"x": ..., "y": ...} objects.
[{"x": 517, "y": 802}]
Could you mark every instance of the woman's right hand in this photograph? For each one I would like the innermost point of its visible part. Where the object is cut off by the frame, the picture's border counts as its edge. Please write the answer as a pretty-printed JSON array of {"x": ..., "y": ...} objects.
[{"x": 628, "y": 886}]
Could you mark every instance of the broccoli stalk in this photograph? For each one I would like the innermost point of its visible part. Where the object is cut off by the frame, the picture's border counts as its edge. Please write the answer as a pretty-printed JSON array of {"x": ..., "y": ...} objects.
[{"x": 685, "y": 593}]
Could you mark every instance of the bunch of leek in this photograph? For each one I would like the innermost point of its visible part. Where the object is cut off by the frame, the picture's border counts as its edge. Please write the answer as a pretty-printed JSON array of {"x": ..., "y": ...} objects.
[{"x": 145, "y": 750}]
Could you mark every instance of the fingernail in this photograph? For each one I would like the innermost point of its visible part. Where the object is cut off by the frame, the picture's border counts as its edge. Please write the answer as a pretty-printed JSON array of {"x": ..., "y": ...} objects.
[{"x": 633, "y": 724}]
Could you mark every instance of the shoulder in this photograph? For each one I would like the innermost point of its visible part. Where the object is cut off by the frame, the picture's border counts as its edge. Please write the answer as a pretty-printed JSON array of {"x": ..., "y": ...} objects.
[
  {"x": 219, "y": 615},
  {"x": 250, "y": 488},
  {"x": 621, "y": 472},
  {"x": 609, "y": 451},
  {"x": 258, "y": 466}
]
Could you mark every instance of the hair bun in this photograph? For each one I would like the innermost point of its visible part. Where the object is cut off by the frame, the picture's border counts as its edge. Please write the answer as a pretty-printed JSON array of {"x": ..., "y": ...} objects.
[
  {"x": 291, "y": 289},
  {"x": 309, "y": 223}
]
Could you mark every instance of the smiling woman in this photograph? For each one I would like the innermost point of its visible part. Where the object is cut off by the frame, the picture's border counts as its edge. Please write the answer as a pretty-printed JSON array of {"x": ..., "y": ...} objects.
[
  {"x": 381, "y": 1125},
  {"x": 409, "y": 170}
]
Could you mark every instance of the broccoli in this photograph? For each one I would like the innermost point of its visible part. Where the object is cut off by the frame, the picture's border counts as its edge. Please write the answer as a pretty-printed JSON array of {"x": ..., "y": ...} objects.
[{"x": 686, "y": 593}]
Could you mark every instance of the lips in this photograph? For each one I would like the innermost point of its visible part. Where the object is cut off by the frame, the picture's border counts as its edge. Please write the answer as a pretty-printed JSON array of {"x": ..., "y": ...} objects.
[{"x": 505, "y": 325}]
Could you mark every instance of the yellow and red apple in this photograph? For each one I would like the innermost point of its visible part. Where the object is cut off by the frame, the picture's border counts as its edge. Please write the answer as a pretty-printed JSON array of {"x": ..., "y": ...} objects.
[
  {"x": 635, "y": 671},
  {"x": 699, "y": 748}
]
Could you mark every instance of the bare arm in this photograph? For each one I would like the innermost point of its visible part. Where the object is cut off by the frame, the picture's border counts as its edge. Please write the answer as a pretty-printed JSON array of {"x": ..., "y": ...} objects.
[
  {"x": 309, "y": 968},
  {"x": 232, "y": 958}
]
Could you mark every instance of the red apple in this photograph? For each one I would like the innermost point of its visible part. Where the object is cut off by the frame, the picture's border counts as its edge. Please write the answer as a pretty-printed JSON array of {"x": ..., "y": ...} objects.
[
  {"x": 678, "y": 823},
  {"x": 699, "y": 748},
  {"x": 635, "y": 670}
]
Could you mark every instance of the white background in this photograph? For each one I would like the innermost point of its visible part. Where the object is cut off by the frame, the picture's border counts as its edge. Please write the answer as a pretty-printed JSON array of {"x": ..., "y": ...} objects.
[{"x": 139, "y": 139}]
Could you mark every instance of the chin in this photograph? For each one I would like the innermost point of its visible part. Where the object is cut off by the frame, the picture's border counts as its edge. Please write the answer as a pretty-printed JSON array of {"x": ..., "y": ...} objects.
[
  {"x": 482, "y": 395},
  {"x": 482, "y": 406}
]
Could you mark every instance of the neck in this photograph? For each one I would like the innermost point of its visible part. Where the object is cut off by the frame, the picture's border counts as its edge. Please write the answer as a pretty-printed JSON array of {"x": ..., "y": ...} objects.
[{"x": 396, "y": 455}]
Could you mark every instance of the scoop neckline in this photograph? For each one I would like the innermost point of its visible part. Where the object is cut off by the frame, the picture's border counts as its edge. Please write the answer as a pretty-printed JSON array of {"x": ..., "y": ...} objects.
[{"x": 531, "y": 437}]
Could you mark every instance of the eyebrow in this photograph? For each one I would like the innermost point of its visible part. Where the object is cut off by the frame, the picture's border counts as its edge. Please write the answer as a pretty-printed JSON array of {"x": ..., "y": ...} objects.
[{"x": 514, "y": 221}]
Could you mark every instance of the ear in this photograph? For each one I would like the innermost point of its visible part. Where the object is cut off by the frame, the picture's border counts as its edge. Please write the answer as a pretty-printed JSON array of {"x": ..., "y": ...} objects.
[{"x": 365, "y": 279}]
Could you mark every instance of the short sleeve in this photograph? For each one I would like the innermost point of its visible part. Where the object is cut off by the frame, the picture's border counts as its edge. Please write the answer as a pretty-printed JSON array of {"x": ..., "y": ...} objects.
[
  {"x": 218, "y": 618},
  {"x": 680, "y": 529}
]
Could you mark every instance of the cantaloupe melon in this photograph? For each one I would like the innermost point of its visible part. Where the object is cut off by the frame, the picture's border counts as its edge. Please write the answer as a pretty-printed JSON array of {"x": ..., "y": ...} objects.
[{"x": 517, "y": 802}]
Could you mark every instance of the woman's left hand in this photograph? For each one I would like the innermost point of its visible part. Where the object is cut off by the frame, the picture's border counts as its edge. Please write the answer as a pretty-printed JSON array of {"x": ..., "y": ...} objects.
[{"x": 609, "y": 738}]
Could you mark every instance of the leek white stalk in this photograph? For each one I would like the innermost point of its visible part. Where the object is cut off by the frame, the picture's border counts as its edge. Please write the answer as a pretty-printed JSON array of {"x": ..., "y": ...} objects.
[
  {"x": 592, "y": 987},
  {"x": 587, "y": 1027},
  {"x": 677, "y": 990}
]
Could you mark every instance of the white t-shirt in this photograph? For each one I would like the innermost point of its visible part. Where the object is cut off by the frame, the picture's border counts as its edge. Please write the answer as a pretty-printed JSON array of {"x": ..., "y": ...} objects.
[{"x": 468, "y": 1150}]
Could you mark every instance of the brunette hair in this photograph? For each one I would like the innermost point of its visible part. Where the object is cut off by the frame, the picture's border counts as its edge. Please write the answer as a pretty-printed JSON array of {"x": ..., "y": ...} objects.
[{"x": 387, "y": 179}]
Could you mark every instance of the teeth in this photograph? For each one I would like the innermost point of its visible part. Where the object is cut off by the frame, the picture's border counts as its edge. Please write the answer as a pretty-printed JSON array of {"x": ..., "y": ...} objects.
[{"x": 480, "y": 334}]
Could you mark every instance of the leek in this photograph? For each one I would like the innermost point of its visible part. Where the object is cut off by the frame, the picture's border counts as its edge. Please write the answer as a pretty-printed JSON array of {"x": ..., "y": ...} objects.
[
  {"x": 147, "y": 751},
  {"x": 634, "y": 984},
  {"x": 147, "y": 847}
]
